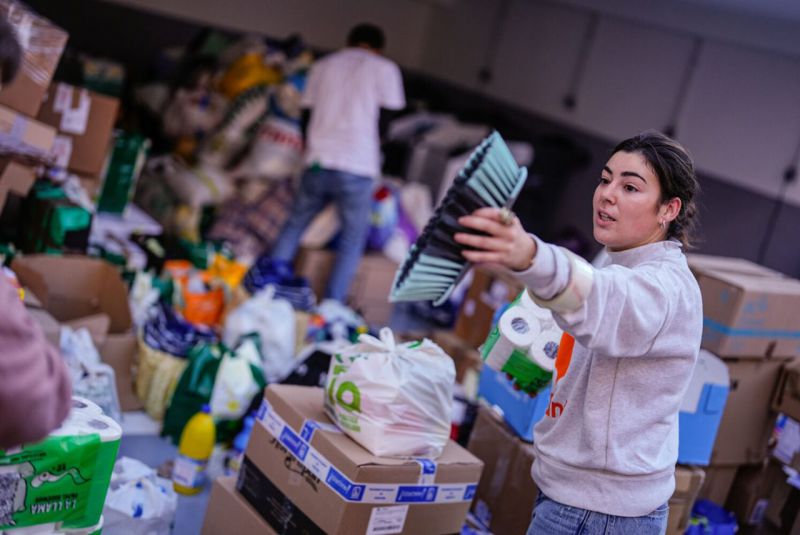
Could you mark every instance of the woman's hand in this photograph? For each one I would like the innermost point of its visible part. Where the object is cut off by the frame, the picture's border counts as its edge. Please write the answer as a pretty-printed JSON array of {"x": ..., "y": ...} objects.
[{"x": 506, "y": 244}]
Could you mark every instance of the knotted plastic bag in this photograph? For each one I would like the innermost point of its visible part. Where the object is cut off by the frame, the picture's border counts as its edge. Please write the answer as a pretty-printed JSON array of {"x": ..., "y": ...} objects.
[{"x": 394, "y": 399}]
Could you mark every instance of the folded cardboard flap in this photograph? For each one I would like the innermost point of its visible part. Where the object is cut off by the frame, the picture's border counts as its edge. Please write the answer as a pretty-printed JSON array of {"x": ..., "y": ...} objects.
[{"x": 73, "y": 287}]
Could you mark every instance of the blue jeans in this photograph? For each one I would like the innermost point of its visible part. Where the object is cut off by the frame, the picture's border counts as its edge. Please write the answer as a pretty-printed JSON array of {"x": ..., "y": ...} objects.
[
  {"x": 352, "y": 195},
  {"x": 553, "y": 518}
]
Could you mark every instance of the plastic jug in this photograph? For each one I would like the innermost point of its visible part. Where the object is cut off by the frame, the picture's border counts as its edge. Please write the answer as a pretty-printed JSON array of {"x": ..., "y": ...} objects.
[{"x": 194, "y": 450}]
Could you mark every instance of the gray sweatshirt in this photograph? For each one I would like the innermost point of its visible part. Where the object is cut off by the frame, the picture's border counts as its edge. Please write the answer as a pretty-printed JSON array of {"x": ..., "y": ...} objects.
[{"x": 609, "y": 441}]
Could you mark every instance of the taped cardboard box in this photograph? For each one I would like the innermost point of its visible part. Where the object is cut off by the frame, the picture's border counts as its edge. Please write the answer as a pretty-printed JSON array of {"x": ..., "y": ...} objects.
[
  {"x": 74, "y": 288},
  {"x": 15, "y": 178},
  {"x": 85, "y": 122},
  {"x": 748, "y": 420},
  {"x": 300, "y": 473},
  {"x": 787, "y": 394},
  {"x": 24, "y": 134},
  {"x": 42, "y": 44},
  {"x": 491, "y": 288},
  {"x": 748, "y": 310},
  {"x": 228, "y": 512}
]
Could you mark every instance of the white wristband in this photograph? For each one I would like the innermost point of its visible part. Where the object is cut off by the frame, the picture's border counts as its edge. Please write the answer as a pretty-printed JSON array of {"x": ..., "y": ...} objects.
[{"x": 577, "y": 290}]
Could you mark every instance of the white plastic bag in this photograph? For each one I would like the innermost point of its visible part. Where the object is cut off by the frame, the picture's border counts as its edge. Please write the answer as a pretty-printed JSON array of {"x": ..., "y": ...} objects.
[
  {"x": 91, "y": 378},
  {"x": 138, "y": 501},
  {"x": 273, "y": 320},
  {"x": 395, "y": 400},
  {"x": 235, "y": 385}
]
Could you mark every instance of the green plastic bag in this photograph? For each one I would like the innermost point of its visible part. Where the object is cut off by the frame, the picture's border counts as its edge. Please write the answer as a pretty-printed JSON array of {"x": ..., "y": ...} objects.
[{"x": 195, "y": 388}]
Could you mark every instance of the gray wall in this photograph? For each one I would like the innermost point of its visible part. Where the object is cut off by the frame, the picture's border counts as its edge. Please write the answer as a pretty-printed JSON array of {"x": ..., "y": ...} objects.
[{"x": 728, "y": 82}]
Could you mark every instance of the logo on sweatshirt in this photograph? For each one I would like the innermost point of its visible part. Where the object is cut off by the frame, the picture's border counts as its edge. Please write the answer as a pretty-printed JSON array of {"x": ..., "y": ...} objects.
[{"x": 563, "y": 359}]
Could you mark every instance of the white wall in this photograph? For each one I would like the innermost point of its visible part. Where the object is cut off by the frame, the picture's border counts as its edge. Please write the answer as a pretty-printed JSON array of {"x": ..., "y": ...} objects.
[{"x": 741, "y": 113}]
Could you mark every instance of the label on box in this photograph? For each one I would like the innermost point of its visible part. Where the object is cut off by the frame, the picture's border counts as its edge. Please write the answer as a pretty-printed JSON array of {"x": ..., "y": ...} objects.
[
  {"x": 62, "y": 150},
  {"x": 74, "y": 120},
  {"x": 387, "y": 520},
  {"x": 63, "y": 98},
  {"x": 349, "y": 490}
]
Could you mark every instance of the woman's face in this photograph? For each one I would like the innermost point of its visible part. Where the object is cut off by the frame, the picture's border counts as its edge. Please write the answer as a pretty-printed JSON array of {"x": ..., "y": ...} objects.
[{"x": 626, "y": 204}]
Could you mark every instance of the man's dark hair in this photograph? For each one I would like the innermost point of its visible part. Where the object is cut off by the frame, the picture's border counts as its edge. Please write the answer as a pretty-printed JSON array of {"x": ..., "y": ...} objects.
[
  {"x": 10, "y": 52},
  {"x": 366, "y": 34}
]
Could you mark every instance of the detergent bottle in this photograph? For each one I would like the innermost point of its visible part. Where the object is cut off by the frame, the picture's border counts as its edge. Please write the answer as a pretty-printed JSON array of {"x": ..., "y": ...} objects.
[{"x": 195, "y": 447}]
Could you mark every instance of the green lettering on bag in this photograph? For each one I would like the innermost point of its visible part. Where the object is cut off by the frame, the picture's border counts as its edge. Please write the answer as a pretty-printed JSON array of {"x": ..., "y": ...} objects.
[{"x": 355, "y": 404}]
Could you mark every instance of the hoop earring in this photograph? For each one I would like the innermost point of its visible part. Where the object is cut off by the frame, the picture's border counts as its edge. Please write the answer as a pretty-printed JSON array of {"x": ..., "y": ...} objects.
[{"x": 662, "y": 224}]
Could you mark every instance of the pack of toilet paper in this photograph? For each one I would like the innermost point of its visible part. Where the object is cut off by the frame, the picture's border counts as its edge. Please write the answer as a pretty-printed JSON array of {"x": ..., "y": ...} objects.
[
  {"x": 60, "y": 483},
  {"x": 524, "y": 344}
]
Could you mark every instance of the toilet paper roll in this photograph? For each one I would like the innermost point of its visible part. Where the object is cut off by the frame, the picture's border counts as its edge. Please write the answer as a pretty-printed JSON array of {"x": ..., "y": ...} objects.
[
  {"x": 80, "y": 424},
  {"x": 516, "y": 331},
  {"x": 84, "y": 405}
]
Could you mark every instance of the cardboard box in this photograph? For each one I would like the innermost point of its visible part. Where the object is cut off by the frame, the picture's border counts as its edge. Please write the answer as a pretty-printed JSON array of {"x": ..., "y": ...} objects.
[
  {"x": 29, "y": 135},
  {"x": 688, "y": 481},
  {"x": 506, "y": 492},
  {"x": 700, "y": 264},
  {"x": 79, "y": 289},
  {"x": 491, "y": 288},
  {"x": 371, "y": 286},
  {"x": 787, "y": 393},
  {"x": 85, "y": 122},
  {"x": 750, "y": 493},
  {"x": 228, "y": 512},
  {"x": 14, "y": 178},
  {"x": 301, "y": 475},
  {"x": 783, "y": 507},
  {"x": 748, "y": 420},
  {"x": 42, "y": 45},
  {"x": 748, "y": 310},
  {"x": 717, "y": 484}
]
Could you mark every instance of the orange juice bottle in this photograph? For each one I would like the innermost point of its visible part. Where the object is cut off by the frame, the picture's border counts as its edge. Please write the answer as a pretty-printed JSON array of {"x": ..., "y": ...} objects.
[{"x": 194, "y": 450}]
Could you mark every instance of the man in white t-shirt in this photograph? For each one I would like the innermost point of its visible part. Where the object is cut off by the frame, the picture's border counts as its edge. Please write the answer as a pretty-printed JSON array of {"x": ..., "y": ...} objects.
[{"x": 348, "y": 97}]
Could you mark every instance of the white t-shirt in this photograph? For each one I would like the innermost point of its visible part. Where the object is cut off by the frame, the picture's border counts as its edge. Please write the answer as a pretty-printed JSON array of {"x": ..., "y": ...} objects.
[{"x": 345, "y": 92}]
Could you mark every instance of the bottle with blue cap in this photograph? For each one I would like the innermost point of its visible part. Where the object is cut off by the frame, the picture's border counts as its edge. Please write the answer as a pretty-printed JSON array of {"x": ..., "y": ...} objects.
[{"x": 194, "y": 450}]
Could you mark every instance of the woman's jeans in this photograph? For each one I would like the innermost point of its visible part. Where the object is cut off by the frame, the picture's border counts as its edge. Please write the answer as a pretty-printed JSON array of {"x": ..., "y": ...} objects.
[
  {"x": 553, "y": 518},
  {"x": 352, "y": 195}
]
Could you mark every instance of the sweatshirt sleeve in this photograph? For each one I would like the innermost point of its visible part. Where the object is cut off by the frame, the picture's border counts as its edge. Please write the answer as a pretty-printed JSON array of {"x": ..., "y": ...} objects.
[
  {"x": 624, "y": 312},
  {"x": 35, "y": 389}
]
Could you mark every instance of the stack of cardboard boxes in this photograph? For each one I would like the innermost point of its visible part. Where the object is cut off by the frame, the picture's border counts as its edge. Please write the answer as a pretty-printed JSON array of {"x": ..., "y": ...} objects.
[
  {"x": 750, "y": 322},
  {"x": 301, "y": 475},
  {"x": 24, "y": 139},
  {"x": 68, "y": 126}
]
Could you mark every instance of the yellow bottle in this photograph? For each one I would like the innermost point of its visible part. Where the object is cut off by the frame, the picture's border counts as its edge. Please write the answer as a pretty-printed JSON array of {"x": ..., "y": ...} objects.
[{"x": 196, "y": 445}]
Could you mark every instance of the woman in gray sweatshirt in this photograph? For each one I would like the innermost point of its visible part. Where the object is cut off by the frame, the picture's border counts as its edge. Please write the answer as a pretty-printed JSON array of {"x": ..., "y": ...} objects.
[{"x": 605, "y": 453}]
